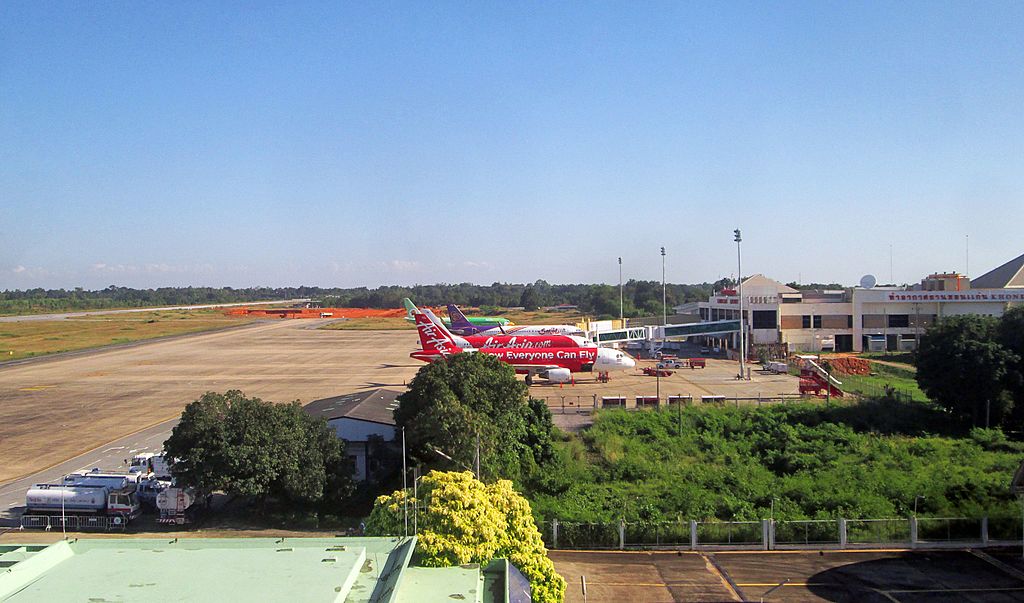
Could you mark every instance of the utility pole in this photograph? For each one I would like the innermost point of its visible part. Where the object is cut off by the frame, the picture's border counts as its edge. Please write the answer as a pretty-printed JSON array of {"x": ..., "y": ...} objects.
[
  {"x": 478, "y": 455},
  {"x": 739, "y": 291},
  {"x": 620, "y": 292},
  {"x": 405, "y": 486}
]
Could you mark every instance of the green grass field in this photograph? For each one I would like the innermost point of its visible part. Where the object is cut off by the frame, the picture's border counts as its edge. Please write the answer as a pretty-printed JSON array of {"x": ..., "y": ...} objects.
[
  {"x": 41, "y": 337},
  {"x": 859, "y": 460}
]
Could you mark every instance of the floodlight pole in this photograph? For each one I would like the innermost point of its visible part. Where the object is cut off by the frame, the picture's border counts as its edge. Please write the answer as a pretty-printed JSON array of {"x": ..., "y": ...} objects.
[
  {"x": 739, "y": 291},
  {"x": 620, "y": 292},
  {"x": 664, "y": 304}
]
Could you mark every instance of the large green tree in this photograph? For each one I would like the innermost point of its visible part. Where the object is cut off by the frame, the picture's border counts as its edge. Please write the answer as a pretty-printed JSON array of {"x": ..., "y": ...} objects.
[
  {"x": 453, "y": 403},
  {"x": 232, "y": 443},
  {"x": 1010, "y": 335},
  {"x": 962, "y": 366}
]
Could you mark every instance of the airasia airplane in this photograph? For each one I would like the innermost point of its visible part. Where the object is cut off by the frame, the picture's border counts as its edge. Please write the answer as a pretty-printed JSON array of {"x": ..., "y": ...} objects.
[
  {"x": 555, "y": 364},
  {"x": 462, "y": 326},
  {"x": 511, "y": 341}
]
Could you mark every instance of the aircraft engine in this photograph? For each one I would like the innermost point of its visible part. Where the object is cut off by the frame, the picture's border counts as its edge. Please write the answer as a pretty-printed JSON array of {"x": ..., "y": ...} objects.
[{"x": 559, "y": 375}]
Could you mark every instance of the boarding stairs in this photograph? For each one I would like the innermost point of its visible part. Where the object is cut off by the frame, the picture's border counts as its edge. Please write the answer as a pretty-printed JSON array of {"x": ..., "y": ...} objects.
[{"x": 816, "y": 380}]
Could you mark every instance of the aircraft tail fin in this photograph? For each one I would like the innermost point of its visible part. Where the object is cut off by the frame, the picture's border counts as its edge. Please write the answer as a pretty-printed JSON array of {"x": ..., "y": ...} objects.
[
  {"x": 459, "y": 321},
  {"x": 434, "y": 339},
  {"x": 410, "y": 309}
]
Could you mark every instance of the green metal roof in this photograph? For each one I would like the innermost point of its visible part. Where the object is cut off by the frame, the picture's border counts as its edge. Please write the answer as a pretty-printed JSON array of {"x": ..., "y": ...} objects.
[{"x": 354, "y": 570}]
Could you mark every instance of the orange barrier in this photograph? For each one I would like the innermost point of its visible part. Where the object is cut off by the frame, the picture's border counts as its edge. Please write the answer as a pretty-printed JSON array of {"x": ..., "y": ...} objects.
[{"x": 316, "y": 312}]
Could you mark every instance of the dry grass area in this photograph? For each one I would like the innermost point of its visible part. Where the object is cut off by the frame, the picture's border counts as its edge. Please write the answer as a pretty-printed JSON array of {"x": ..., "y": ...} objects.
[
  {"x": 370, "y": 324},
  {"x": 400, "y": 324},
  {"x": 40, "y": 337}
]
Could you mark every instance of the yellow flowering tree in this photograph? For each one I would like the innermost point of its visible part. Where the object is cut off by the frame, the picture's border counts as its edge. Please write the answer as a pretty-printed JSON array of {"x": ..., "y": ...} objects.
[{"x": 462, "y": 520}]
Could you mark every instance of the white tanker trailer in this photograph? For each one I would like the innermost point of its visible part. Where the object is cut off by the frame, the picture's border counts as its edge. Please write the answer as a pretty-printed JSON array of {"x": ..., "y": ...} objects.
[
  {"x": 172, "y": 503},
  {"x": 82, "y": 499}
]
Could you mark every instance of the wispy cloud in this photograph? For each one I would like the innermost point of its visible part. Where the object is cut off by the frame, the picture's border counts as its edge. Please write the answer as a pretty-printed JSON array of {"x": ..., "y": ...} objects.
[
  {"x": 401, "y": 265},
  {"x": 151, "y": 268}
]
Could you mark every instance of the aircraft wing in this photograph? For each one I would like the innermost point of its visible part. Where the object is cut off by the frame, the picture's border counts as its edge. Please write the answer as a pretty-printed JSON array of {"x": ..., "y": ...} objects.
[{"x": 534, "y": 369}]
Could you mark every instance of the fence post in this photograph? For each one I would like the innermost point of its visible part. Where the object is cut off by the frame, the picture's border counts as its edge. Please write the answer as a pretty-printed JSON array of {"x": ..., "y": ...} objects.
[
  {"x": 842, "y": 533},
  {"x": 984, "y": 531},
  {"x": 766, "y": 534},
  {"x": 622, "y": 534},
  {"x": 554, "y": 533},
  {"x": 913, "y": 532},
  {"x": 693, "y": 535}
]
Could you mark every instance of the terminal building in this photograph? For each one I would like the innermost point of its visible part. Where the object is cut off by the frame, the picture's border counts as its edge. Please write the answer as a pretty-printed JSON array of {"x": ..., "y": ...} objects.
[{"x": 860, "y": 319}]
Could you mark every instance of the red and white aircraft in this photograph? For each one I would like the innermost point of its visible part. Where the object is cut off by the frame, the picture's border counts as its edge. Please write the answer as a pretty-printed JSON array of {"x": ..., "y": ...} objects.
[
  {"x": 554, "y": 364},
  {"x": 510, "y": 340},
  {"x": 462, "y": 326}
]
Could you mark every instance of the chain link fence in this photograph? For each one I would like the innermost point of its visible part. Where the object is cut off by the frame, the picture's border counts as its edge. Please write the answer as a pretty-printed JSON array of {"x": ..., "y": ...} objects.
[
  {"x": 587, "y": 404},
  {"x": 807, "y": 532},
  {"x": 793, "y": 534}
]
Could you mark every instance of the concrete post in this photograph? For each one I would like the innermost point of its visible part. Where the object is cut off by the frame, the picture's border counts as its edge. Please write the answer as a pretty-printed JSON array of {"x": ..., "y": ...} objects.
[
  {"x": 622, "y": 534},
  {"x": 554, "y": 533},
  {"x": 766, "y": 534},
  {"x": 913, "y": 532},
  {"x": 984, "y": 531},
  {"x": 693, "y": 535},
  {"x": 842, "y": 533}
]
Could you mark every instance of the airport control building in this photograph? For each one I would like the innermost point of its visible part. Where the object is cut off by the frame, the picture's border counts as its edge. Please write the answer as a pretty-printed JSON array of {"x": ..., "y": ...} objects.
[{"x": 866, "y": 318}]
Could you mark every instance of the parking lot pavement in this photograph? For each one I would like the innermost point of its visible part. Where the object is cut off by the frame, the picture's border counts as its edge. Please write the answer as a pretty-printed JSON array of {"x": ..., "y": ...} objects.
[
  {"x": 871, "y": 576},
  {"x": 889, "y": 576},
  {"x": 641, "y": 577}
]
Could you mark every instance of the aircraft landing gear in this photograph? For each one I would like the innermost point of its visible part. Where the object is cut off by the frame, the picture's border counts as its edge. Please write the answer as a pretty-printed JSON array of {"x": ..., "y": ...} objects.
[
  {"x": 529, "y": 379},
  {"x": 602, "y": 377}
]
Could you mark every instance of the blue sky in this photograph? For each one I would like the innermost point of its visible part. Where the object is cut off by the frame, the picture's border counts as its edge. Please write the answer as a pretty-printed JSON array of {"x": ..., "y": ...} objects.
[{"x": 333, "y": 144}]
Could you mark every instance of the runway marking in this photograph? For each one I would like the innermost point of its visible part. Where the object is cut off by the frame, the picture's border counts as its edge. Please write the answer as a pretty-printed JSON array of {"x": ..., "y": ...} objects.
[
  {"x": 767, "y": 584},
  {"x": 1008, "y": 569},
  {"x": 35, "y": 388},
  {"x": 114, "y": 448},
  {"x": 714, "y": 569}
]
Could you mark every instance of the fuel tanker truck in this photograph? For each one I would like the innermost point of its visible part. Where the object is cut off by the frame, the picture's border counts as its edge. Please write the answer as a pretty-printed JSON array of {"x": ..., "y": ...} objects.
[{"x": 86, "y": 494}]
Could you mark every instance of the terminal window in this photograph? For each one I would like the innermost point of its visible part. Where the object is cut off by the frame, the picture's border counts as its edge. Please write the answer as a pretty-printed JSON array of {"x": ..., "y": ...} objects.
[
  {"x": 897, "y": 321},
  {"x": 806, "y": 323},
  {"x": 817, "y": 321},
  {"x": 765, "y": 319}
]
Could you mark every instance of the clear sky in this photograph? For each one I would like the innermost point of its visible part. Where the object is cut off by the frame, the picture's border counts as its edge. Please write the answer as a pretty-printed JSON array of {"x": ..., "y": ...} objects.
[{"x": 344, "y": 144}]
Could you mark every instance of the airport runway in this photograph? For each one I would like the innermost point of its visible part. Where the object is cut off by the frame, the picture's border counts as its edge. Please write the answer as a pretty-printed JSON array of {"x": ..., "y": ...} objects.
[{"x": 58, "y": 408}]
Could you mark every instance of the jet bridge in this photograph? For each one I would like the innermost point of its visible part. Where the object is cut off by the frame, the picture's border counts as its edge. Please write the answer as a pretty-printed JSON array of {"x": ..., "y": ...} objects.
[{"x": 716, "y": 327}]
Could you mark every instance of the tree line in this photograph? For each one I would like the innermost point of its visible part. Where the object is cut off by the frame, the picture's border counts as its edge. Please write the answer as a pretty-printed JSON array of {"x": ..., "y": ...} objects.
[{"x": 640, "y": 297}]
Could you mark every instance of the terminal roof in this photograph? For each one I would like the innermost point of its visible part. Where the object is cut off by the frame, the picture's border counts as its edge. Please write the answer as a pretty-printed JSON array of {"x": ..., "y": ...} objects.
[
  {"x": 352, "y": 570},
  {"x": 375, "y": 405}
]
